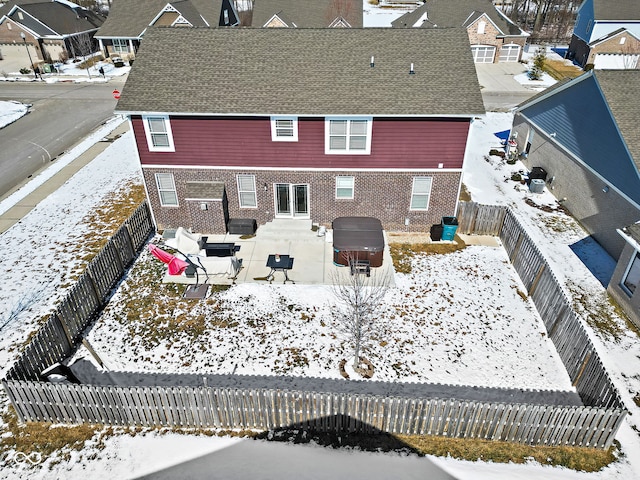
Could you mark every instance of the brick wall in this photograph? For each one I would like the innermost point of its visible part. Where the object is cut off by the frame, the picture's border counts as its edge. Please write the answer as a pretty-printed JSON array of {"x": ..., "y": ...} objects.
[
  {"x": 385, "y": 195},
  {"x": 631, "y": 46}
]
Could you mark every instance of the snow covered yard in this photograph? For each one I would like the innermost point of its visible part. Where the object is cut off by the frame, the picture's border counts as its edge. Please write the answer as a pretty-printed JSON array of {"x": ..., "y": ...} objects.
[
  {"x": 11, "y": 111},
  {"x": 457, "y": 318}
]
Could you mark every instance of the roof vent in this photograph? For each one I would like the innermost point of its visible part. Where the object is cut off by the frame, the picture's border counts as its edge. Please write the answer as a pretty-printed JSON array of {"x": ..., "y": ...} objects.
[
  {"x": 372, "y": 62},
  {"x": 411, "y": 70}
]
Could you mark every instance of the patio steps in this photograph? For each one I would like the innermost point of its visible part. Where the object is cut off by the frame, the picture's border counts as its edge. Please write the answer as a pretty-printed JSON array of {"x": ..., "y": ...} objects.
[{"x": 283, "y": 227}]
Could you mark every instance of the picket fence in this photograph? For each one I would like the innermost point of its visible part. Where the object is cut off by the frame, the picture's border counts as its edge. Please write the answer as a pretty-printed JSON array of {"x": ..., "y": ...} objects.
[{"x": 592, "y": 425}]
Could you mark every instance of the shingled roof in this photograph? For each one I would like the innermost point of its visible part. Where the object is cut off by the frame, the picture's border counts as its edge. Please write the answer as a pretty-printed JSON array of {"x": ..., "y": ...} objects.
[
  {"x": 296, "y": 71},
  {"x": 456, "y": 13},
  {"x": 50, "y": 18},
  {"x": 129, "y": 19},
  {"x": 621, "y": 89},
  {"x": 309, "y": 14},
  {"x": 616, "y": 9}
]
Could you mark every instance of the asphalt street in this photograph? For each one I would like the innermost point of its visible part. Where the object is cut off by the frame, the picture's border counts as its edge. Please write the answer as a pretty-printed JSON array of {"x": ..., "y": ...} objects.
[{"x": 62, "y": 114}]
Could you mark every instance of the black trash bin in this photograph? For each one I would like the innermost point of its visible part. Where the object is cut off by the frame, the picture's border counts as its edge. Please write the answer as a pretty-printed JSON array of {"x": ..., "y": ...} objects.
[{"x": 436, "y": 232}]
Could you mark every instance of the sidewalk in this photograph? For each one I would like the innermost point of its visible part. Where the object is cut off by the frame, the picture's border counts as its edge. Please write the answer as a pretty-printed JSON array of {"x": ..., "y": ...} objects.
[{"x": 21, "y": 208}]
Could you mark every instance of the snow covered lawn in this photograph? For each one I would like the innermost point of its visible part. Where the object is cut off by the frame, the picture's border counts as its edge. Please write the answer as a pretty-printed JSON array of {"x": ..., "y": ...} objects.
[
  {"x": 458, "y": 318},
  {"x": 11, "y": 111}
]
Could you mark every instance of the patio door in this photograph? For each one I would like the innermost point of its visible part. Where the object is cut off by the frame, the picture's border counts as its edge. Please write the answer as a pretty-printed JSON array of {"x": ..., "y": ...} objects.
[{"x": 292, "y": 200}]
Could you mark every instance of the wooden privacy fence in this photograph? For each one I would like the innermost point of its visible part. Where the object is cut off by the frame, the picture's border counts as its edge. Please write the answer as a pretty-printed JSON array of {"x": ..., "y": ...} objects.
[
  {"x": 263, "y": 409},
  {"x": 593, "y": 425},
  {"x": 62, "y": 332},
  {"x": 564, "y": 327}
]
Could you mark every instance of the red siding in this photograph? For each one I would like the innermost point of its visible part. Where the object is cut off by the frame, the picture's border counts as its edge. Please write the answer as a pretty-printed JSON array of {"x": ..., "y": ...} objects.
[{"x": 246, "y": 142}]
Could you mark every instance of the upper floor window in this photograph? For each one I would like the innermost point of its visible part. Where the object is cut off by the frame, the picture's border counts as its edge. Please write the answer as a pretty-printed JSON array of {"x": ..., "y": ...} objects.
[
  {"x": 348, "y": 136},
  {"x": 420, "y": 193},
  {"x": 284, "y": 129},
  {"x": 247, "y": 191},
  {"x": 344, "y": 187},
  {"x": 120, "y": 45},
  {"x": 158, "y": 132},
  {"x": 482, "y": 25},
  {"x": 166, "y": 190}
]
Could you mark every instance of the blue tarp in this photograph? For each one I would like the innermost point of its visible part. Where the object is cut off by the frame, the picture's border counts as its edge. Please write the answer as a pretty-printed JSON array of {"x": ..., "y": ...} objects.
[{"x": 504, "y": 135}]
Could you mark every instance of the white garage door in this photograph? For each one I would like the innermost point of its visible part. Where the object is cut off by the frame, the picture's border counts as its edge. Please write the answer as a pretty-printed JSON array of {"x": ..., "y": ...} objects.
[
  {"x": 509, "y": 53},
  {"x": 483, "y": 54},
  {"x": 14, "y": 57},
  {"x": 604, "y": 61}
]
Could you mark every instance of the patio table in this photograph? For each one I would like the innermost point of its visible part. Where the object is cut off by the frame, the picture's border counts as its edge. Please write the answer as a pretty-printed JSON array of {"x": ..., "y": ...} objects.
[{"x": 280, "y": 263}]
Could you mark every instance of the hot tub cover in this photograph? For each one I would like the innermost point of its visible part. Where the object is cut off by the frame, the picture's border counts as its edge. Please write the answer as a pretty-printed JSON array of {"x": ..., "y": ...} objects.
[{"x": 357, "y": 234}]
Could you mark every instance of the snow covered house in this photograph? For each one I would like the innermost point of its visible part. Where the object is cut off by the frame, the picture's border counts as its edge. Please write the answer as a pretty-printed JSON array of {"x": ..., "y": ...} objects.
[
  {"x": 50, "y": 28},
  {"x": 312, "y": 124},
  {"x": 316, "y": 14},
  {"x": 607, "y": 34},
  {"x": 584, "y": 133},
  {"x": 493, "y": 36},
  {"x": 128, "y": 20}
]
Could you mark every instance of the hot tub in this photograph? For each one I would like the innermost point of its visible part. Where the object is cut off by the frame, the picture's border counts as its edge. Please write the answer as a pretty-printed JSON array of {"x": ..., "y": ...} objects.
[{"x": 358, "y": 238}]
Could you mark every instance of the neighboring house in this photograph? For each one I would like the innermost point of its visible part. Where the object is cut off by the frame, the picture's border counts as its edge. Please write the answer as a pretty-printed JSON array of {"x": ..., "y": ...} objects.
[
  {"x": 607, "y": 34},
  {"x": 315, "y": 14},
  {"x": 301, "y": 123},
  {"x": 586, "y": 135},
  {"x": 493, "y": 37},
  {"x": 128, "y": 20},
  {"x": 625, "y": 282},
  {"x": 51, "y": 28}
]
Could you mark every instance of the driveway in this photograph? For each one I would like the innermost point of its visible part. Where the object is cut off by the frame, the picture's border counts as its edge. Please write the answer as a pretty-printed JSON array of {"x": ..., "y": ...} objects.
[{"x": 500, "y": 92}]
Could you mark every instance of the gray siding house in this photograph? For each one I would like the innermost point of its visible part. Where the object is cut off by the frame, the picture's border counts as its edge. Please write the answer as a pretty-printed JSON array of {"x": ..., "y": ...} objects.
[
  {"x": 586, "y": 135},
  {"x": 625, "y": 282}
]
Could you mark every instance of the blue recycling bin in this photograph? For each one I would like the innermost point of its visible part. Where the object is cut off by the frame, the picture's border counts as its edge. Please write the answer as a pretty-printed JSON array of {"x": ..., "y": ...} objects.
[{"x": 449, "y": 228}]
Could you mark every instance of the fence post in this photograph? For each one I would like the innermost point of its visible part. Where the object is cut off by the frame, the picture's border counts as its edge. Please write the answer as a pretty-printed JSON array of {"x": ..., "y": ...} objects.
[{"x": 534, "y": 284}]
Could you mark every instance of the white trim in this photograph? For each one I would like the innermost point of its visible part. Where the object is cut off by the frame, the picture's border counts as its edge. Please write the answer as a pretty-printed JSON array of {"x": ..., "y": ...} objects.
[
  {"x": 140, "y": 169},
  {"x": 174, "y": 190},
  {"x": 152, "y": 113},
  {"x": 303, "y": 169},
  {"x": 351, "y": 187},
  {"x": 413, "y": 188},
  {"x": 255, "y": 192},
  {"x": 347, "y": 135},
  {"x": 169, "y": 133},
  {"x": 274, "y": 130}
]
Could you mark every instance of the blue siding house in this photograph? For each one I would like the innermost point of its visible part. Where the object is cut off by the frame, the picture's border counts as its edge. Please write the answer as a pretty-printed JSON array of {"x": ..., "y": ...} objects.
[
  {"x": 606, "y": 34},
  {"x": 585, "y": 134}
]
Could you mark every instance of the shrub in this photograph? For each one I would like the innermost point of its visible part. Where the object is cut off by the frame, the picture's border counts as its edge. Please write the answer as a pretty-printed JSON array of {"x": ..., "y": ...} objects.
[
  {"x": 516, "y": 177},
  {"x": 535, "y": 73},
  {"x": 498, "y": 153},
  {"x": 25, "y": 71}
]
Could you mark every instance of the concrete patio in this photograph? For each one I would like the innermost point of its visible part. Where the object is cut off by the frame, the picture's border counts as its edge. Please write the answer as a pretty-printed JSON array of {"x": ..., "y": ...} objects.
[{"x": 312, "y": 254}]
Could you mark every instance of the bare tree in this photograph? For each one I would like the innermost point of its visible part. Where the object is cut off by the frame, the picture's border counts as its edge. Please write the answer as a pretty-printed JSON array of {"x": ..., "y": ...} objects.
[
  {"x": 359, "y": 298},
  {"x": 20, "y": 306},
  {"x": 82, "y": 45}
]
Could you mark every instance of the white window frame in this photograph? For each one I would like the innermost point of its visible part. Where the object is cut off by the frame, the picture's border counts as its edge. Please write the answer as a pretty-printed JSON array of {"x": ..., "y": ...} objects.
[
  {"x": 163, "y": 188},
  {"x": 121, "y": 47},
  {"x": 482, "y": 26},
  {"x": 345, "y": 182},
  {"x": 348, "y": 134},
  {"x": 634, "y": 265},
  {"x": 168, "y": 133},
  {"x": 276, "y": 129},
  {"x": 415, "y": 195},
  {"x": 243, "y": 190},
  {"x": 623, "y": 40}
]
